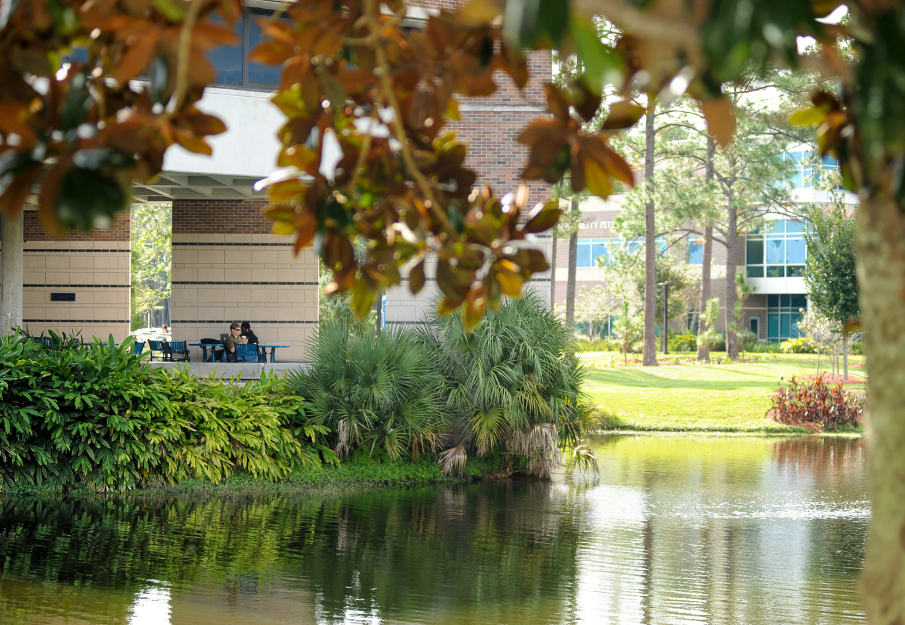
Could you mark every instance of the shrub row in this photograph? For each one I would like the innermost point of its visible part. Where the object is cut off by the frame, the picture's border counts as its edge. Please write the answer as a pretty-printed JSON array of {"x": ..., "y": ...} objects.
[{"x": 96, "y": 415}]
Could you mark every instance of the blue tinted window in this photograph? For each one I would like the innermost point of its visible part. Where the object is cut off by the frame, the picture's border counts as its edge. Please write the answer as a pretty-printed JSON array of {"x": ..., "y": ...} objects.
[
  {"x": 775, "y": 251},
  {"x": 785, "y": 326},
  {"x": 227, "y": 60},
  {"x": 584, "y": 255},
  {"x": 796, "y": 250},
  {"x": 754, "y": 251},
  {"x": 776, "y": 227},
  {"x": 599, "y": 251},
  {"x": 773, "y": 325},
  {"x": 773, "y": 301},
  {"x": 793, "y": 226},
  {"x": 799, "y": 302},
  {"x": 795, "y": 318},
  {"x": 695, "y": 251},
  {"x": 260, "y": 75}
]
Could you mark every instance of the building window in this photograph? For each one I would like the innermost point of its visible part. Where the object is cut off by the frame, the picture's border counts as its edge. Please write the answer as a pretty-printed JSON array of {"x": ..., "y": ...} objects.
[
  {"x": 808, "y": 168},
  {"x": 589, "y": 250},
  {"x": 695, "y": 250},
  {"x": 592, "y": 250},
  {"x": 231, "y": 63},
  {"x": 783, "y": 314},
  {"x": 780, "y": 252}
]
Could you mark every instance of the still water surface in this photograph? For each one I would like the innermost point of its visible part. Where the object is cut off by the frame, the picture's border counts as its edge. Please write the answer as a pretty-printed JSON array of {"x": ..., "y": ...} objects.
[{"x": 677, "y": 529}]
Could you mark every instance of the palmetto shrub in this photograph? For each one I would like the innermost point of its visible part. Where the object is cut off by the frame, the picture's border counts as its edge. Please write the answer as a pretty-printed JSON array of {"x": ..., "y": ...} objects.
[
  {"x": 513, "y": 386},
  {"x": 378, "y": 393},
  {"x": 95, "y": 415}
]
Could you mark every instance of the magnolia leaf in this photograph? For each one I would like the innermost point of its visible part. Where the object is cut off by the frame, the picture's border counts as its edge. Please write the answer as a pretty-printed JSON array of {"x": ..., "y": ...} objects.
[
  {"x": 623, "y": 114},
  {"x": 416, "y": 278},
  {"x": 452, "y": 109},
  {"x": 543, "y": 218},
  {"x": 720, "y": 119},
  {"x": 363, "y": 295},
  {"x": 473, "y": 310},
  {"x": 596, "y": 178},
  {"x": 173, "y": 10},
  {"x": 805, "y": 118},
  {"x": 510, "y": 282},
  {"x": 282, "y": 227},
  {"x": 602, "y": 65}
]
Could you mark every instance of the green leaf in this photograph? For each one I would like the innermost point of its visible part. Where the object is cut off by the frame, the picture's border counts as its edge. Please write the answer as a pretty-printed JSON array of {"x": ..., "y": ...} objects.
[{"x": 602, "y": 66}]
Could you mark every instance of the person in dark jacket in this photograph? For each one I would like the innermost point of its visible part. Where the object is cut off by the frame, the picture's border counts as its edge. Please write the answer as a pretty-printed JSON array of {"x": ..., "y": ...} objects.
[{"x": 247, "y": 334}]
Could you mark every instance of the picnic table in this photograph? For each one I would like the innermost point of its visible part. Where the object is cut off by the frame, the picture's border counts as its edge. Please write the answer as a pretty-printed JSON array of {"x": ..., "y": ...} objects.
[{"x": 210, "y": 357}]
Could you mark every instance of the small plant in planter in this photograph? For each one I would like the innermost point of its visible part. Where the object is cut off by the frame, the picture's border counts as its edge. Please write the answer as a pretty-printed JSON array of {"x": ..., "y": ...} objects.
[{"x": 810, "y": 400}]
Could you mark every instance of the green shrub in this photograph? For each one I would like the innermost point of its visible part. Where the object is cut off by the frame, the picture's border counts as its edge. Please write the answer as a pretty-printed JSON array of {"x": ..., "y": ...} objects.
[
  {"x": 747, "y": 340},
  {"x": 513, "y": 385},
  {"x": 95, "y": 415},
  {"x": 373, "y": 392},
  {"x": 801, "y": 345},
  {"x": 682, "y": 343}
]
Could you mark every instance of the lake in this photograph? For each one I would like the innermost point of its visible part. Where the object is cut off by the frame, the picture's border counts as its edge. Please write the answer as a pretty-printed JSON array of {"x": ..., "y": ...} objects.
[{"x": 676, "y": 529}]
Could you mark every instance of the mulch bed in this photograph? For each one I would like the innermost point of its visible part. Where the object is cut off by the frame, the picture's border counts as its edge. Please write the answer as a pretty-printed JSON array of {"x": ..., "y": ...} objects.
[{"x": 838, "y": 379}]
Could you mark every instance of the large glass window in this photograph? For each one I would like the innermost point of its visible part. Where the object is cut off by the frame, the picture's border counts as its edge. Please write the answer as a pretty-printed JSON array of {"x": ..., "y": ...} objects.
[
  {"x": 783, "y": 314},
  {"x": 231, "y": 63},
  {"x": 808, "y": 168},
  {"x": 695, "y": 251},
  {"x": 589, "y": 250},
  {"x": 780, "y": 252}
]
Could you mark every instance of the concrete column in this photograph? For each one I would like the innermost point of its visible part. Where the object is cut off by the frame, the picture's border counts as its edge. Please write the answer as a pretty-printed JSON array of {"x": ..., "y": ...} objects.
[{"x": 12, "y": 248}]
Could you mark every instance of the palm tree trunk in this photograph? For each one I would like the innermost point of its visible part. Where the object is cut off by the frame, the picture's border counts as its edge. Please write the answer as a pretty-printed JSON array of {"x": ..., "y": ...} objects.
[
  {"x": 706, "y": 261},
  {"x": 881, "y": 278},
  {"x": 649, "y": 357},
  {"x": 553, "y": 271},
  {"x": 573, "y": 264},
  {"x": 731, "y": 251}
]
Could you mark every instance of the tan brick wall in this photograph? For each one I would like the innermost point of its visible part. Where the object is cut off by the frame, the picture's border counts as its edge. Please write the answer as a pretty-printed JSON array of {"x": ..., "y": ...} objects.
[
  {"x": 224, "y": 277},
  {"x": 94, "y": 266}
]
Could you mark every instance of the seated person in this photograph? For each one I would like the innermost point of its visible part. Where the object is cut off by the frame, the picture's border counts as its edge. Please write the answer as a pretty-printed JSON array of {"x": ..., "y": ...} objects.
[
  {"x": 229, "y": 345},
  {"x": 248, "y": 334}
]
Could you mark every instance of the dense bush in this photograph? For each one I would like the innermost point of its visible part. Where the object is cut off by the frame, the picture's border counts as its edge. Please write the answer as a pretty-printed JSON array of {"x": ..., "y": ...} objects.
[
  {"x": 96, "y": 415},
  {"x": 513, "y": 385},
  {"x": 682, "y": 343},
  {"x": 810, "y": 400},
  {"x": 602, "y": 344},
  {"x": 801, "y": 345},
  {"x": 379, "y": 393}
]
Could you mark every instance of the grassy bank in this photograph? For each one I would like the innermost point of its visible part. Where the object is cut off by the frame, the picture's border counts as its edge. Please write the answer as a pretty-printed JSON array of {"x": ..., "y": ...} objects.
[
  {"x": 354, "y": 474},
  {"x": 682, "y": 396}
]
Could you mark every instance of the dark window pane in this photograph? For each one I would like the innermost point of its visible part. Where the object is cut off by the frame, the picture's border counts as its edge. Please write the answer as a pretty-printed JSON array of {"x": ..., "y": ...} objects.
[
  {"x": 776, "y": 271},
  {"x": 755, "y": 251},
  {"x": 785, "y": 329},
  {"x": 584, "y": 255},
  {"x": 227, "y": 60},
  {"x": 773, "y": 326},
  {"x": 795, "y": 333},
  {"x": 755, "y": 271},
  {"x": 260, "y": 75},
  {"x": 784, "y": 301},
  {"x": 796, "y": 271},
  {"x": 773, "y": 301},
  {"x": 799, "y": 302}
]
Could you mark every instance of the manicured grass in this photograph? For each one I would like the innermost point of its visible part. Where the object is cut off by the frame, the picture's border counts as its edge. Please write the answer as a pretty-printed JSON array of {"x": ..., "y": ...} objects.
[{"x": 691, "y": 397}]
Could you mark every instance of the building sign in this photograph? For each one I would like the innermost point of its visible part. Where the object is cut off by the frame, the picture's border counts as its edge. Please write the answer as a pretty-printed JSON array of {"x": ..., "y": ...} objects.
[
  {"x": 62, "y": 297},
  {"x": 595, "y": 225}
]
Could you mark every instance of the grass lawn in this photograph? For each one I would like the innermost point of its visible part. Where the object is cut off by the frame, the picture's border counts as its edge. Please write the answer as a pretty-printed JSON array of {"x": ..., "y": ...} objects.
[{"x": 679, "y": 395}]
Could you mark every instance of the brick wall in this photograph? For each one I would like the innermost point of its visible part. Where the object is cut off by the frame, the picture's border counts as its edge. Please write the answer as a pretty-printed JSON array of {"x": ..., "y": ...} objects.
[
  {"x": 227, "y": 268},
  {"x": 93, "y": 267},
  {"x": 220, "y": 217}
]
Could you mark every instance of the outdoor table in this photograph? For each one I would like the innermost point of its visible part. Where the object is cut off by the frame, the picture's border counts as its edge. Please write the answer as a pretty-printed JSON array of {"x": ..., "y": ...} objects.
[
  {"x": 204, "y": 346},
  {"x": 273, "y": 349}
]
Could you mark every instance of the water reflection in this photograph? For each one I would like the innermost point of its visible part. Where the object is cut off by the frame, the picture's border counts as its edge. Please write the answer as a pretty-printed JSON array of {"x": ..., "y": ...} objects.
[{"x": 678, "y": 529}]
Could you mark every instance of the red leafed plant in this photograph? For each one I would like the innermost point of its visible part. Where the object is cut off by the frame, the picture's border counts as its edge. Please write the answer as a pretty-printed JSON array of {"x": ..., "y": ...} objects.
[{"x": 810, "y": 400}]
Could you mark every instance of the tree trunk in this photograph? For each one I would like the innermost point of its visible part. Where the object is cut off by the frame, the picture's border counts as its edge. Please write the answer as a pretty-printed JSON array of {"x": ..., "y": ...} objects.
[
  {"x": 649, "y": 357},
  {"x": 378, "y": 307},
  {"x": 553, "y": 272},
  {"x": 706, "y": 261},
  {"x": 573, "y": 264},
  {"x": 881, "y": 277},
  {"x": 844, "y": 356},
  {"x": 12, "y": 247},
  {"x": 731, "y": 251}
]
